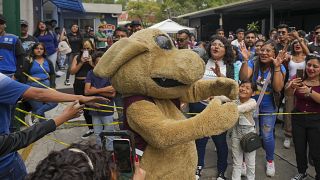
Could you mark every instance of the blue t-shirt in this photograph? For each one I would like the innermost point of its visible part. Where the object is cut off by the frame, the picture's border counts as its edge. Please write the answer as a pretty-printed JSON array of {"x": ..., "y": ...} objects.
[
  {"x": 37, "y": 71},
  {"x": 50, "y": 42},
  {"x": 10, "y": 92},
  {"x": 267, "y": 104},
  {"x": 98, "y": 83}
]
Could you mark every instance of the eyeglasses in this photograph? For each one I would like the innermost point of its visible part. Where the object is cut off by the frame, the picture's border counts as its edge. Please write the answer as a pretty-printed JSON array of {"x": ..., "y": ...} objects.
[
  {"x": 282, "y": 32},
  {"x": 262, "y": 50},
  {"x": 217, "y": 45}
]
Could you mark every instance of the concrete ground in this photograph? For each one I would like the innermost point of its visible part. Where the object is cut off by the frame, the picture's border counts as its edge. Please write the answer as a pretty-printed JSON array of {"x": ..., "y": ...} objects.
[{"x": 284, "y": 158}]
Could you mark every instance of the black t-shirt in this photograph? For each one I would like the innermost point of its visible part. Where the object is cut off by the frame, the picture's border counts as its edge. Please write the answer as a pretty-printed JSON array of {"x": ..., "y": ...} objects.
[
  {"x": 279, "y": 47},
  {"x": 27, "y": 43},
  {"x": 314, "y": 48},
  {"x": 75, "y": 42}
]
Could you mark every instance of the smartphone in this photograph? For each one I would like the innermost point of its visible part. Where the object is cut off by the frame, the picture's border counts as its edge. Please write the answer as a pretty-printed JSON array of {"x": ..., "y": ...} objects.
[
  {"x": 85, "y": 54},
  {"x": 292, "y": 29},
  {"x": 123, "y": 155},
  {"x": 300, "y": 73}
]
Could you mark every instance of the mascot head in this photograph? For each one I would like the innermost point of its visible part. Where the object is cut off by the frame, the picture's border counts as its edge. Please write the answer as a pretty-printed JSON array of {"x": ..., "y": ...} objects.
[{"x": 149, "y": 64}]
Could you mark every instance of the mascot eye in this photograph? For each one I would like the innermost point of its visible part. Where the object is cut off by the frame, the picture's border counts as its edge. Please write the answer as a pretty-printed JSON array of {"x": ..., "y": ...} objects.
[{"x": 163, "y": 42}]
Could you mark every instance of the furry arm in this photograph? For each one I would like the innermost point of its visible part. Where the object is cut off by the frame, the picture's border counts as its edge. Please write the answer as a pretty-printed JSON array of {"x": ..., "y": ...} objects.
[
  {"x": 160, "y": 131},
  {"x": 248, "y": 106},
  {"x": 203, "y": 89}
]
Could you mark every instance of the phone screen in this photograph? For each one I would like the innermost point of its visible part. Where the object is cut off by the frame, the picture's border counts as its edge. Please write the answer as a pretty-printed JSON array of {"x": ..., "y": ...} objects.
[
  {"x": 123, "y": 155},
  {"x": 300, "y": 73},
  {"x": 85, "y": 54}
]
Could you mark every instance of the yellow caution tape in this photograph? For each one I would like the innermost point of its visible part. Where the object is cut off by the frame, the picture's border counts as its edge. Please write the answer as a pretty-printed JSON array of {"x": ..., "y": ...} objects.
[
  {"x": 270, "y": 114},
  {"x": 47, "y": 136},
  {"x": 67, "y": 123}
]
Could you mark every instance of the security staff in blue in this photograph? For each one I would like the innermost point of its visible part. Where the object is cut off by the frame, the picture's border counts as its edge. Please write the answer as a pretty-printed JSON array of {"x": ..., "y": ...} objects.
[{"x": 11, "y": 52}]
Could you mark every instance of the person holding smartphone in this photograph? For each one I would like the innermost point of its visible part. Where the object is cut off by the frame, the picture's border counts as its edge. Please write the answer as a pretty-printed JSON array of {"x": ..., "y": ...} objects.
[
  {"x": 295, "y": 63},
  {"x": 81, "y": 65},
  {"x": 306, "y": 126}
]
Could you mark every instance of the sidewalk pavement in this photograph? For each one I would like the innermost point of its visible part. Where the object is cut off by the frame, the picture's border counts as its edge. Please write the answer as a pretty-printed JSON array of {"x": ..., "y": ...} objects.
[{"x": 284, "y": 158}]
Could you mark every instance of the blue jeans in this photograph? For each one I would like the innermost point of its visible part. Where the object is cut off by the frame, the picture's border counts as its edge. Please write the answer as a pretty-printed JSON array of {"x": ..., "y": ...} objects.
[
  {"x": 40, "y": 108},
  {"x": 220, "y": 142},
  {"x": 16, "y": 170},
  {"x": 96, "y": 119},
  {"x": 266, "y": 127}
]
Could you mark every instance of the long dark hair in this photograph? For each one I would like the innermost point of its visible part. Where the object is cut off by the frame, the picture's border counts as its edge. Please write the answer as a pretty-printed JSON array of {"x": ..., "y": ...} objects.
[
  {"x": 32, "y": 55},
  {"x": 78, "y": 32},
  {"x": 308, "y": 58},
  {"x": 229, "y": 56},
  {"x": 38, "y": 31},
  {"x": 91, "y": 52}
]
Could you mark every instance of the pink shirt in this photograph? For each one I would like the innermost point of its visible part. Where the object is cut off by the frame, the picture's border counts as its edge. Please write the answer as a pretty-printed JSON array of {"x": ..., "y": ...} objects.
[{"x": 307, "y": 104}]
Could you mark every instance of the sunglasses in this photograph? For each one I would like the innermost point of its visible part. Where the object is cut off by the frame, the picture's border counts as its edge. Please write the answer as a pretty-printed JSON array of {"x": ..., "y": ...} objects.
[{"x": 181, "y": 39}]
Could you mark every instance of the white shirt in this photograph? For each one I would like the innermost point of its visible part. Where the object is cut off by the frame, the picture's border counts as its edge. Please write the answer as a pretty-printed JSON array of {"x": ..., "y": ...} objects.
[
  {"x": 293, "y": 66},
  {"x": 209, "y": 74}
]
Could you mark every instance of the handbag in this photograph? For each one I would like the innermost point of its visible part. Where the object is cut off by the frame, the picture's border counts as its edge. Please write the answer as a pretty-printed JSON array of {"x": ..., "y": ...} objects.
[{"x": 250, "y": 142}]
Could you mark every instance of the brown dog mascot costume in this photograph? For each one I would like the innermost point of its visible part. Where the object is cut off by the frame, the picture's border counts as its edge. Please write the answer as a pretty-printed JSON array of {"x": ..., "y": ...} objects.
[{"x": 147, "y": 64}]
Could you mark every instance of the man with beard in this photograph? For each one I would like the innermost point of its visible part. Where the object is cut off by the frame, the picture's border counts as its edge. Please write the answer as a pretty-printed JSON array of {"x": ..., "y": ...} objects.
[
  {"x": 183, "y": 39},
  {"x": 248, "y": 46},
  {"x": 314, "y": 47},
  {"x": 27, "y": 40}
]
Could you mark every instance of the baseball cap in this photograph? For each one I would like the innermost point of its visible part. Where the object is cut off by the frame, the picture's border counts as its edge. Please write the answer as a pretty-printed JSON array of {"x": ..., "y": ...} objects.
[
  {"x": 2, "y": 19},
  {"x": 24, "y": 22}
]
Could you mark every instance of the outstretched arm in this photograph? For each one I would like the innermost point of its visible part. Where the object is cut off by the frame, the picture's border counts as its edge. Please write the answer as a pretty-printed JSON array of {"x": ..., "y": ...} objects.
[
  {"x": 162, "y": 132},
  {"x": 203, "y": 89}
]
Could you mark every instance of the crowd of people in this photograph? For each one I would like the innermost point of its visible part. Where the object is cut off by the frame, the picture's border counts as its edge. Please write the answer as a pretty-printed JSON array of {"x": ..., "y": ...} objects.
[
  {"x": 285, "y": 67},
  {"x": 251, "y": 57}
]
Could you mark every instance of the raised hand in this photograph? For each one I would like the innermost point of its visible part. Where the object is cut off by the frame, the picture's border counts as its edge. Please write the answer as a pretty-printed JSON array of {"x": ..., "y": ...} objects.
[
  {"x": 216, "y": 69},
  {"x": 279, "y": 59},
  {"x": 244, "y": 52}
]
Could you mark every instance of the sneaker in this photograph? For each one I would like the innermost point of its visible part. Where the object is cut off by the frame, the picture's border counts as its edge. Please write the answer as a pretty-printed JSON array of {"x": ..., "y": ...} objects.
[
  {"x": 221, "y": 177},
  {"x": 67, "y": 82},
  {"x": 300, "y": 176},
  {"x": 198, "y": 172},
  {"x": 286, "y": 143},
  {"x": 244, "y": 169},
  {"x": 270, "y": 169},
  {"x": 32, "y": 121},
  {"x": 87, "y": 134}
]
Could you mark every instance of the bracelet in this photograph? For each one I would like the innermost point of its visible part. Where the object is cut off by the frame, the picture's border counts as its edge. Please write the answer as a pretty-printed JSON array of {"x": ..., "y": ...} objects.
[
  {"x": 277, "y": 70},
  {"x": 244, "y": 62}
]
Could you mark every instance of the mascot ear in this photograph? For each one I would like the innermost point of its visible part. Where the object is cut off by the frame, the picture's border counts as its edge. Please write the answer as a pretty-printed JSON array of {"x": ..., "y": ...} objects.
[{"x": 118, "y": 54}]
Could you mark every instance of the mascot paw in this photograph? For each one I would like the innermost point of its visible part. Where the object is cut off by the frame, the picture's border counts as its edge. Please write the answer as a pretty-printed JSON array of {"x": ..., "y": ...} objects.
[
  {"x": 218, "y": 117},
  {"x": 227, "y": 87}
]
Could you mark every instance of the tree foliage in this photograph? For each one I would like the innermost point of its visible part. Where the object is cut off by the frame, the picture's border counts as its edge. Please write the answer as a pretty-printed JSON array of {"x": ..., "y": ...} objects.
[{"x": 151, "y": 11}]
